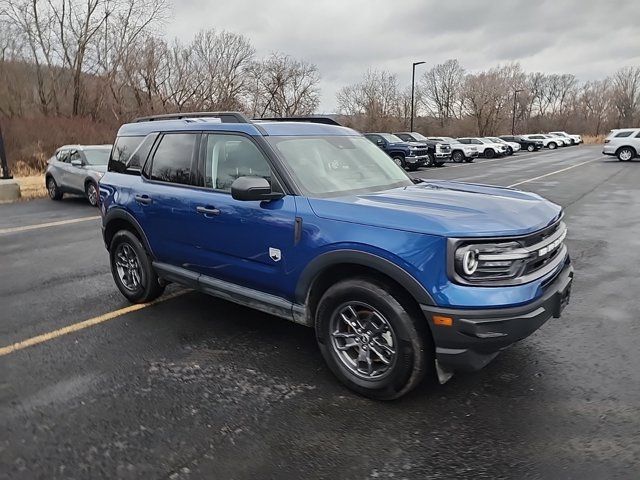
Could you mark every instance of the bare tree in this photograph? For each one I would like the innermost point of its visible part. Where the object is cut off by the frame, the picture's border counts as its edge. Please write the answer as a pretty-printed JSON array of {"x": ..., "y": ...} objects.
[
  {"x": 441, "y": 89},
  {"x": 626, "y": 95},
  {"x": 596, "y": 100},
  {"x": 283, "y": 86}
]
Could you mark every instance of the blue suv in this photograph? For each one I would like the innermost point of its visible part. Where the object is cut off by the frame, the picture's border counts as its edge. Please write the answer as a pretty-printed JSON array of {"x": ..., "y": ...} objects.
[{"x": 401, "y": 279}]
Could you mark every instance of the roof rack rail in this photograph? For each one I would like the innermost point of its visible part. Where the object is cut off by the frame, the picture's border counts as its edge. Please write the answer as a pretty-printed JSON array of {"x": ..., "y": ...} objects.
[
  {"x": 225, "y": 117},
  {"x": 308, "y": 118}
]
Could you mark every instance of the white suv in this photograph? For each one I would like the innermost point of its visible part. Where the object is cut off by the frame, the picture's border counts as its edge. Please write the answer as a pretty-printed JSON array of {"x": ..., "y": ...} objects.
[
  {"x": 486, "y": 148},
  {"x": 575, "y": 139},
  {"x": 624, "y": 143},
  {"x": 550, "y": 143}
]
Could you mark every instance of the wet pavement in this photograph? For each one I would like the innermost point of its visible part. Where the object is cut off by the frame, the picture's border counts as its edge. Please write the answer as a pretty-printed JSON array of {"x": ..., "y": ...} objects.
[{"x": 195, "y": 387}]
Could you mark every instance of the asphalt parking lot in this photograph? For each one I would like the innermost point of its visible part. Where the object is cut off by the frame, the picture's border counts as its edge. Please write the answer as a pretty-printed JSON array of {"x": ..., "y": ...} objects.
[{"x": 196, "y": 387}]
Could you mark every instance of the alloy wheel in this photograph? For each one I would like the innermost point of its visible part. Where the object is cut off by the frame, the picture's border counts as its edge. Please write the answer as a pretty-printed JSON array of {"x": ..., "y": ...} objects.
[
  {"x": 92, "y": 194},
  {"x": 51, "y": 188},
  {"x": 363, "y": 340},
  {"x": 128, "y": 267},
  {"x": 625, "y": 155}
]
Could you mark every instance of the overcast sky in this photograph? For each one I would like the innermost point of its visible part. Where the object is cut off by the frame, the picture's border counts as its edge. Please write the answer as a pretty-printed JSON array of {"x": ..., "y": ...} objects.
[{"x": 588, "y": 38}]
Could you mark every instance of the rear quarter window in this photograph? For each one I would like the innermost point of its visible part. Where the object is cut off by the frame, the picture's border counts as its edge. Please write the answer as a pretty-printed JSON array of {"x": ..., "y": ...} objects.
[
  {"x": 122, "y": 150},
  {"x": 623, "y": 134}
]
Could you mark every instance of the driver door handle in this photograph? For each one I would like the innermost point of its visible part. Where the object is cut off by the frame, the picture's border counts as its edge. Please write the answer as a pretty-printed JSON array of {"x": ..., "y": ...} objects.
[
  {"x": 208, "y": 210},
  {"x": 143, "y": 199}
]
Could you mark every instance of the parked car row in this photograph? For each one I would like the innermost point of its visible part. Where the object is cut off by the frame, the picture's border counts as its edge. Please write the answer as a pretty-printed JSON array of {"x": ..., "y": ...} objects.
[{"x": 412, "y": 150}]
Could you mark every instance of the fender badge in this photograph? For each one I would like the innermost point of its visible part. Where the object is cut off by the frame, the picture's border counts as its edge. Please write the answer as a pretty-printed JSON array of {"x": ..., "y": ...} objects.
[{"x": 275, "y": 254}]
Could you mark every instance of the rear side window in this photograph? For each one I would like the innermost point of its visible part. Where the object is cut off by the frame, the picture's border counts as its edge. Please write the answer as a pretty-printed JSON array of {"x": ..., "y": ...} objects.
[
  {"x": 173, "y": 158},
  {"x": 623, "y": 134},
  {"x": 121, "y": 152}
]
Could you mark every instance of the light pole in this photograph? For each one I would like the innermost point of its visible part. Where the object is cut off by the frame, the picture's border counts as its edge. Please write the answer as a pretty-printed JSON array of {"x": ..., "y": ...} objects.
[
  {"x": 413, "y": 85},
  {"x": 513, "y": 120},
  {"x": 5, "y": 174}
]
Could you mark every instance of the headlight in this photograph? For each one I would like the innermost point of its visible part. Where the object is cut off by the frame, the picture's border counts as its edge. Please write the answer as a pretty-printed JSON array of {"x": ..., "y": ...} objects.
[
  {"x": 509, "y": 261},
  {"x": 489, "y": 261},
  {"x": 413, "y": 148}
]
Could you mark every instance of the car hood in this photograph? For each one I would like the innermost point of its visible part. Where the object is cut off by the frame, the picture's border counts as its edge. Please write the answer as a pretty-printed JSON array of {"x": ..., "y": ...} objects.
[{"x": 446, "y": 208}]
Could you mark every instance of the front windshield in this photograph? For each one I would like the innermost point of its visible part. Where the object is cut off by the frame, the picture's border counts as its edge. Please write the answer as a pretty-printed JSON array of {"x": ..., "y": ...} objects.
[
  {"x": 418, "y": 136},
  {"x": 445, "y": 139},
  {"x": 97, "y": 156},
  {"x": 390, "y": 138},
  {"x": 329, "y": 166},
  {"x": 496, "y": 140},
  {"x": 484, "y": 140}
]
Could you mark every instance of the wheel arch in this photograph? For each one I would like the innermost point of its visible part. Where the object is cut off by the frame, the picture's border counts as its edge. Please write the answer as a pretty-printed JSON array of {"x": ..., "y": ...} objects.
[
  {"x": 635, "y": 152},
  {"x": 326, "y": 269},
  {"x": 118, "y": 219}
]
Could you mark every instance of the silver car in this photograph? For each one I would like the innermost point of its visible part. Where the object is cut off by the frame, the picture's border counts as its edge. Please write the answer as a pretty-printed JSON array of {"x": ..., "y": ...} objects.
[
  {"x": 624, "y": 143},
  {"x": 77, "y": 169}
]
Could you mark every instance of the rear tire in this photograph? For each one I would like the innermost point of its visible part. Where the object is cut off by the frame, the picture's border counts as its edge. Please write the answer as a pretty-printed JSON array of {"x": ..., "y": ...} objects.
[
  {"x": 489, "y": 153},
  {"x": 372, "y": 339},
  {"x": 53, "y": 190},
  {"x": 132, "y": 270},
  {"x": 625, "y": 154},
  {"x": 91, "y": 192}
]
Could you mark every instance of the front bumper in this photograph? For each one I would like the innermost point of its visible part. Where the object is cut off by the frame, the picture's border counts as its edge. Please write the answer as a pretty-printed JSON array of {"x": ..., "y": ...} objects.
[
  {"x": 416, "y": 160},
  {"x": 477, "y": 336}
]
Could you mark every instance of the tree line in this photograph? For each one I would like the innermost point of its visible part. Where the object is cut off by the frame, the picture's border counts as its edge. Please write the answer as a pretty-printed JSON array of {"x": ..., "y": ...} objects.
[
  {"x": 450, "y": 100},
  {"x": 108, "y": 60}
]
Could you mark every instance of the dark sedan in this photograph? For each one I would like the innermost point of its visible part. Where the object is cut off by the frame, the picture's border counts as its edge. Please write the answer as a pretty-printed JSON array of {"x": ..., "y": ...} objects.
[{"x": 529, "y": 145}]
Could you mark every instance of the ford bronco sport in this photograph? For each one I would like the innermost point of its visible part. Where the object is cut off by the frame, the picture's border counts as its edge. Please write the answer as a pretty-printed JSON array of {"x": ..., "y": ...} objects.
[{"x": 400, "y": 279}]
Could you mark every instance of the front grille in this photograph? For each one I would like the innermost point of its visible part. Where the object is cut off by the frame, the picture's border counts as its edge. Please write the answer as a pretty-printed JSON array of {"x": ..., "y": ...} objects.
[
  {"x": 444, "y": 148},
  {"x": 420, "y": 153}
]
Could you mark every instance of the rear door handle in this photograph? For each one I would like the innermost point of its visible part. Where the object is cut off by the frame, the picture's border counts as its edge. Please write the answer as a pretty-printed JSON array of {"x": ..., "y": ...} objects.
[
  {"x": 143, "y": 199},
  {"x": 208, "y": 210}
]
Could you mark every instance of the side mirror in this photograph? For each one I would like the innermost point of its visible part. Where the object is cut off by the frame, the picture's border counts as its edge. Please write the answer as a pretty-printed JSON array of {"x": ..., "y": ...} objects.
[
  {"x": 76, "y": 163},
  {"x": 380, "y": 143},
  {"x": 253, "y": 189}
]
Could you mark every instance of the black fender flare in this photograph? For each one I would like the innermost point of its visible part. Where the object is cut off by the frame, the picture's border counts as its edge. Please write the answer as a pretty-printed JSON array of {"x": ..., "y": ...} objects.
[
  {"x": 120, "y": 214},
  {"x": 346, "y": 256}
]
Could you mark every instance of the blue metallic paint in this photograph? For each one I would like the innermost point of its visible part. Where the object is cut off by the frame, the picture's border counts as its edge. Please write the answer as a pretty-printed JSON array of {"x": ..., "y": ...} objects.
[{"x": 406, "y": 226}]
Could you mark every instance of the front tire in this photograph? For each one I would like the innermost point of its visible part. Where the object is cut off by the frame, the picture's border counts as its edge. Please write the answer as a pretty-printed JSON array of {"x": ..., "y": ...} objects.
[
  {"x": 531, "y": 148},
  {"x": 53, "y": 190},
  {"x": 625, "y": 154},
  {"x": 509, "y": 151},
  {"x": 399, "y": 159},
  {"x": 91, "y": 192},
  {"x": 432, "y": 160},
  {"x": 489, "y": 153},
  {"x": 372, "y": 339},
  {"x": 552, "y": 146},
  {"x": 132, "y": 270},
  {"x": 457, "y": 156}
]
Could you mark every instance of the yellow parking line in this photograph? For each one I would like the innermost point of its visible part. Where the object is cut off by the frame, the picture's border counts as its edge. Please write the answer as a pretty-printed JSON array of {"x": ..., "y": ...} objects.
[
  {"x": 45, "y": 337},
  {"x": 550, "y": 173},
  {"x": 48, "y": 224}
]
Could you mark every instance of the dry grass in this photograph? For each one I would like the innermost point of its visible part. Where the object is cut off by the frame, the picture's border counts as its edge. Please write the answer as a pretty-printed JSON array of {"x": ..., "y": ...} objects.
[
  {"x": 593, "y": 139},
  {"x": 32, "y": 187}
]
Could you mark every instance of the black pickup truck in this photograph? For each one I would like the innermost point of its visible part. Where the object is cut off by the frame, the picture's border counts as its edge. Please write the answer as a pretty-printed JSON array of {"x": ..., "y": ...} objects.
[
  {"x": 439, "y": 152},
  {"x": 409, "y": 155}
]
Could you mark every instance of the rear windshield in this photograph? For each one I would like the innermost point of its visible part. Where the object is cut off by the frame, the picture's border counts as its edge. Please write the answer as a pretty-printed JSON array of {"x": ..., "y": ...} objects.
[{"x": 97, "y": 156}]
